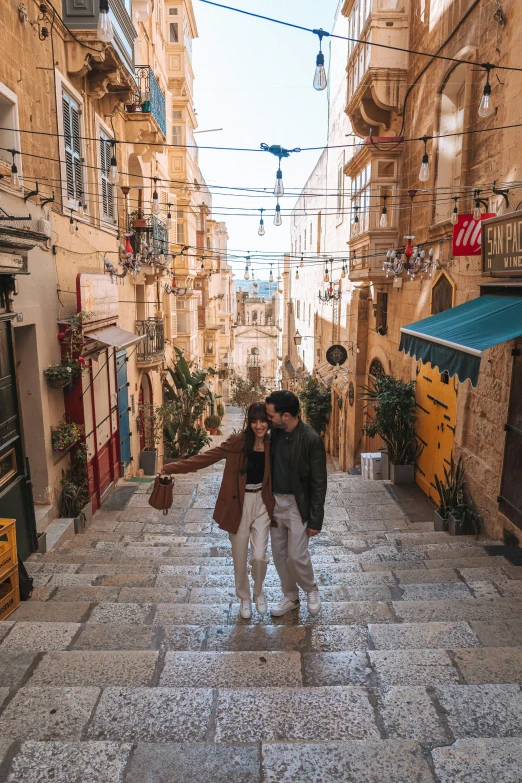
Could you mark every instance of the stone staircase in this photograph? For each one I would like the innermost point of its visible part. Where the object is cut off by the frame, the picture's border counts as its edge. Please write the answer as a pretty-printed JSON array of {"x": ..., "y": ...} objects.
[{"x": 130, "y": 663}]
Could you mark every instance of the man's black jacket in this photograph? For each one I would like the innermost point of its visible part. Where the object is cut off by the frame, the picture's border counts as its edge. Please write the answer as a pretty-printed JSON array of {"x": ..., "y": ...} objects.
[{"x": 308, "y": 472}]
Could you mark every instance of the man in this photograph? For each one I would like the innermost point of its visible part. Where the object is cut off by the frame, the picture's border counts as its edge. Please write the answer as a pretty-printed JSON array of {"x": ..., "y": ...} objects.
[{"x": 299, "y": 486}]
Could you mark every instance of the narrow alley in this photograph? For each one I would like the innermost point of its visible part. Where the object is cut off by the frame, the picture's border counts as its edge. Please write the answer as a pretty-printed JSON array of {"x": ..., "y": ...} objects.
[{"x": 130, "y": 663}]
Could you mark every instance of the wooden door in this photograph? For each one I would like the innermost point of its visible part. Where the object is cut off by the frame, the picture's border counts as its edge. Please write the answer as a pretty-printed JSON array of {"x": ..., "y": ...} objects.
[{"x": 436, "y": 397}]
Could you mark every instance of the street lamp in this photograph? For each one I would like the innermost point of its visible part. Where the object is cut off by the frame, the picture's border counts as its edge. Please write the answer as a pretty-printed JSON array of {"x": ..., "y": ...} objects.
[{"x": 297, "y": 338}]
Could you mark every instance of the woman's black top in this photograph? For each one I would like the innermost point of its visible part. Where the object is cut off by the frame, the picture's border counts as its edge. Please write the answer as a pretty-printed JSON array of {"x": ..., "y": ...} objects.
[{"x": 256, "y": 467}]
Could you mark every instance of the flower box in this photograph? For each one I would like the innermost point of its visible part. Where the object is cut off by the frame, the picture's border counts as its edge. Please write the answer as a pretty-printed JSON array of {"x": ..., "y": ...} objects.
[{"x": 402, "y": 474}]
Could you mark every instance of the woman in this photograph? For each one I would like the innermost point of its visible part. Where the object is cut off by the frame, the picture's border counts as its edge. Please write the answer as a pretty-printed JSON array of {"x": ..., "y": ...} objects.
[{"x": 245, "y": 503}]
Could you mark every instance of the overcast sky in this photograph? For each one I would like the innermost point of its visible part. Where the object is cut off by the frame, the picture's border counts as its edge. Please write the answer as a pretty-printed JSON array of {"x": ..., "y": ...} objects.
[{"x": 254, "y": 79}]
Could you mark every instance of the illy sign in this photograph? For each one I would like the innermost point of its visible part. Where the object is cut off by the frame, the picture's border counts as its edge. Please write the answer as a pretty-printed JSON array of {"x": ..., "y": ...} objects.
[{"x": 467, "y": 235}]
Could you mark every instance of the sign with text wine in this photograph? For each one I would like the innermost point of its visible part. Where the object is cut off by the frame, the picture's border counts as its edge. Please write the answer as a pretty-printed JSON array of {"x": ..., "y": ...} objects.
[
  {"x": 467, "y": 235},
  {"x": 502, "y": 246}
]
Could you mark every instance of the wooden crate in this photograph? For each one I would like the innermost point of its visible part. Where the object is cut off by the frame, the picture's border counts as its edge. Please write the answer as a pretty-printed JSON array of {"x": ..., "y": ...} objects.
[
  {"x": 8, "y": 553},
  {"x": 9, "y": 593}
]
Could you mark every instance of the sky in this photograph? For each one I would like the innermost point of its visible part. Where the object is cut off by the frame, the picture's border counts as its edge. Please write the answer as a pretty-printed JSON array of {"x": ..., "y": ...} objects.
[{"x": 254, "y": 79}]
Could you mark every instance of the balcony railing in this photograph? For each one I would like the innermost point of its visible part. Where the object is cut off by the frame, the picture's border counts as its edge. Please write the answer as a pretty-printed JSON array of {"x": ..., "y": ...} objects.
[
  {"x": 152, "y": 348},
  {"x": 84, "y": 16},
  {"x": 148, "y": 98},
  {"x": 150, "y": 229}
]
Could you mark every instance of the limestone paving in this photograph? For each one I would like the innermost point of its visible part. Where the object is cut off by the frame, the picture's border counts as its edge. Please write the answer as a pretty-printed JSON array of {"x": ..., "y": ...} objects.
[{"x": 131, "y": 663}]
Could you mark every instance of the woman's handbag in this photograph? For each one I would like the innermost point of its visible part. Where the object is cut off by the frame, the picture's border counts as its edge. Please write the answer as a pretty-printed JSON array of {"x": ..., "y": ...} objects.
[{"x": 161, "y": 495}]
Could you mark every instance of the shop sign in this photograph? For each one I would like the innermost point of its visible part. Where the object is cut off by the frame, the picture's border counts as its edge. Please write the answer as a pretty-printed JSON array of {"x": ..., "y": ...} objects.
[
  {"x": 336, "y": 354},
  {"x": 502, "y": 246},
  {"x": 10, "y": 263},
  {"x": 97, "y": 295},
  {"x": 467, "y": 235}
]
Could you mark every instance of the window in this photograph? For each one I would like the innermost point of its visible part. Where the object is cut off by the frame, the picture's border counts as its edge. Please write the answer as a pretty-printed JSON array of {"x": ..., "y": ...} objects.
[
  {"x": 451, "y": 123},
  {"x": 173, "y": 32},
  {"x": 360, "y": 203},
  {"x": 173, "y": 11},
  {"x": 107, "y": 190},
  {"x": 177, "y": 114},
  {"x": 381, "y": 314},
  {"x": 304, "y": 243},
  {"x": 9, "y": 139},
  {"x": 340, "y": 178},
  {"x": 298, "y": 309},
  {"x": 376, "y": 369},
  {"x": 441, "y": 295},
  {"x": 73, "y": 159},
  {"x": 176, "y": 134},
  {"x": 309, "y": 313},
  {"x": 180, "y": 232}
]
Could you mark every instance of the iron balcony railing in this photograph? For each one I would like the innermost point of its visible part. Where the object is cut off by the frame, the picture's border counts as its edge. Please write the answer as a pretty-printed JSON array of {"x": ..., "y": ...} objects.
[
  {"x": 148, "y": 97},
  {"x": 152, "y": 348},
  {"x": 151, "y": 230}
]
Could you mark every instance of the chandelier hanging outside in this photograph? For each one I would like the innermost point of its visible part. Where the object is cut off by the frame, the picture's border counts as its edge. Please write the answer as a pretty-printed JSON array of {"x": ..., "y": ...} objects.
[
  {"x": 331, "y": 293},
  {"x": 411, "y": 259},
  {"x": 173, "y": 287}
]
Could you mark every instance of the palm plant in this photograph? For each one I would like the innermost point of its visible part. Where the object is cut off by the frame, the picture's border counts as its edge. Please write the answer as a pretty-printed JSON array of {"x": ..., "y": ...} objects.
[
  {"x": 451, "y": 490},
  {"x": 187, "y": 397},
  {"x": 394, "y": 419}
]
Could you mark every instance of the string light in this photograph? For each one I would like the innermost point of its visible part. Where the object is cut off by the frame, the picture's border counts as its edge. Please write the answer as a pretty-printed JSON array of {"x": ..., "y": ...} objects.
[
  {"x": 247, "y": 271},
  {"x": 71, "y": 224},
  {"x": 455, "y": 213},
  {"x": 80, "y": 204},
  {"x": 261, "y": 229},
  {"x": 277, "y": 217},
  {"x": 383, "y": 222},
  {"x": 169, "y": 218},
  {"x": 356, "y": 217},
  {"x": 301, "y": 264},
  {"x": 271, "y": 275},
  {"x": 320, "y": 80},
  {"x": 14, "y": 171},
  {"x": 297, "y": 273},
  {"x": 114, "y": 176},
  {"x": 278, "y": 188},
  {"x": 156, "y": 209},
  {"x": 424, "y": 171},
  {"x": 104, "y": 30},
  {"x": 486, "y": 108}
]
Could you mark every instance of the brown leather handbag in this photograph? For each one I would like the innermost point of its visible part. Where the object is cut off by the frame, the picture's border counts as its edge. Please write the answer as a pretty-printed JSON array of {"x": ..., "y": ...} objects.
[{"x": 162, "y": 494}]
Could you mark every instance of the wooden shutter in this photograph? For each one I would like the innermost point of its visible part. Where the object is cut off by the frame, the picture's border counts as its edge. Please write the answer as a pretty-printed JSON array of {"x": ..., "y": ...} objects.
[
  {"x": 72, "y": 141},
  {"x": 107, "y": 190}
]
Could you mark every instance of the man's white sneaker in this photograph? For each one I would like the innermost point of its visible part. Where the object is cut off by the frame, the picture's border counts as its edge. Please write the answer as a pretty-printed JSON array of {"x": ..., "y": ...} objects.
[
  {"x": 285, "y": 606},
  {"x": 313, "y": 601},
  {"x": 245, "y": 609},
  {"x": 261, "y": 604}
]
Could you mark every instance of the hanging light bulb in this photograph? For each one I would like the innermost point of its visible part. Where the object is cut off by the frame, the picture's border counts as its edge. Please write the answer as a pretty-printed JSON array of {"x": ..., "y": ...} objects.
[
  {"x": 486, "y": 108},
  {"x": 169, "y": 218},
  {"x": 424, "y": 171},
  {"x": 297, "y": 273},
  {"x": 383, "y": 222},
  {"x": 476, "y": 211},
  {"x": 14, "y": 172},
  {"x": 455, "y": 213},
  {"x": 271, "y": 275},
  {"x": 156, "y": 209},
  {"x": 343, "y": 270},
  {"x": 320, "y": 80},
  {"x": 105, "y": 31},
  {"x": 71, "y": 224},
  {"x": 279, "y": 189},
  {"x": 356, "y": 218},
  {"x": 261, "y": 229},
  {"x": 80, "y": 204},
  {"x": 326, "y": 275},
  {"x": 301, "y": 263},
  {"x": 114, "y": 177},
  {"x": 247, "y": 272},
  {"x": 277, "y": 217}
]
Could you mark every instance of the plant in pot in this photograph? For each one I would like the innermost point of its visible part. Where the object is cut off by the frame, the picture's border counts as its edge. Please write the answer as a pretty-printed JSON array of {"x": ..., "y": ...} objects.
[
  {"x": 75, "y": 500},
  {"x": 212, "y": 424},
  {"x": 65, "y": 435},
  {"x": 393, "y": 419},
  {"x": 59, "y": 376},
  {"x": 152, "y": 424},
  {"x": 317, "y": 404},
  {"x": 451, "y": 493},
  {"x": 187, "y": 396}
]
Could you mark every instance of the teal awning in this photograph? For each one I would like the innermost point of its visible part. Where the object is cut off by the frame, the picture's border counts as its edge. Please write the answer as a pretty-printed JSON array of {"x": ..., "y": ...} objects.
[{"x": 453, "y": 341}]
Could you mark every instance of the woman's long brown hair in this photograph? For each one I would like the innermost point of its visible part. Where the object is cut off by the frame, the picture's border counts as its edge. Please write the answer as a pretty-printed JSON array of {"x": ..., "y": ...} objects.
[{"x": 256, "y": 412}]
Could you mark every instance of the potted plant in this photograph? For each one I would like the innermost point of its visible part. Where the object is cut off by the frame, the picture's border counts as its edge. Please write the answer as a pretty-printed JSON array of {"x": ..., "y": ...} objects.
[
  {"x": 463, "y": 521},
  {"x": 59, "y": 376},
  {"x": 317, "y": 404},
  {"x": 451, "y": 493},
  {"x": 394, "y": 419},
  {"x": 75, "y": 501},
  {"x": 137, "y": 220},
  {"x": 145, "y": 106},
  {"x": 65, "y": 435},
  {"x": 212, "y": 424},
  {"x": 220, "y": 410},
  {"x": 153, "y": 426},
  {"x": 131, "y": 107}
]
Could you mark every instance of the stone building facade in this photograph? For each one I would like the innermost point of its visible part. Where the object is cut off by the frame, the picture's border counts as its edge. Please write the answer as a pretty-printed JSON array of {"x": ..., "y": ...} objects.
[
  {"x": 393, "y": 98},
  {"x": 135, "y": 265}
]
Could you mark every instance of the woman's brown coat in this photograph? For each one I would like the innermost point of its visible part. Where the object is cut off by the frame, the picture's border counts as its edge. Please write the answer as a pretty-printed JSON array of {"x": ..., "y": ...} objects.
[{"x": 229, "y": 504}]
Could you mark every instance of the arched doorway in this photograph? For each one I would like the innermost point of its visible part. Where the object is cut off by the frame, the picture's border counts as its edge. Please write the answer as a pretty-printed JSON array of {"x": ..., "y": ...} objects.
[{"x": 375, "y": 371}]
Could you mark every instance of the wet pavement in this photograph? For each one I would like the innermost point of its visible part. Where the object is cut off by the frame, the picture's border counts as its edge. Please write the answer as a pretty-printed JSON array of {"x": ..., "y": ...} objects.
[{"x": 130, "y": 664}]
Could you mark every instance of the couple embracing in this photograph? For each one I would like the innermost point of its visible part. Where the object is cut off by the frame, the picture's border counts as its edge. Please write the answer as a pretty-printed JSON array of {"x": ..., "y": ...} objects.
[{"x": 274, "y": 483}]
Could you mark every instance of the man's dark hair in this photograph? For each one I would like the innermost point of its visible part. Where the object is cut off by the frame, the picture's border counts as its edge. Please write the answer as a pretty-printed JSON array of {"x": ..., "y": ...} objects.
[{"x": 284, "y": 401}]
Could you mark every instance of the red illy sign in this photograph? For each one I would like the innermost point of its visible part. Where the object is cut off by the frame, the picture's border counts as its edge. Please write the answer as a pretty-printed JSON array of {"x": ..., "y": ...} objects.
[{"x": 467, "y": 235}]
